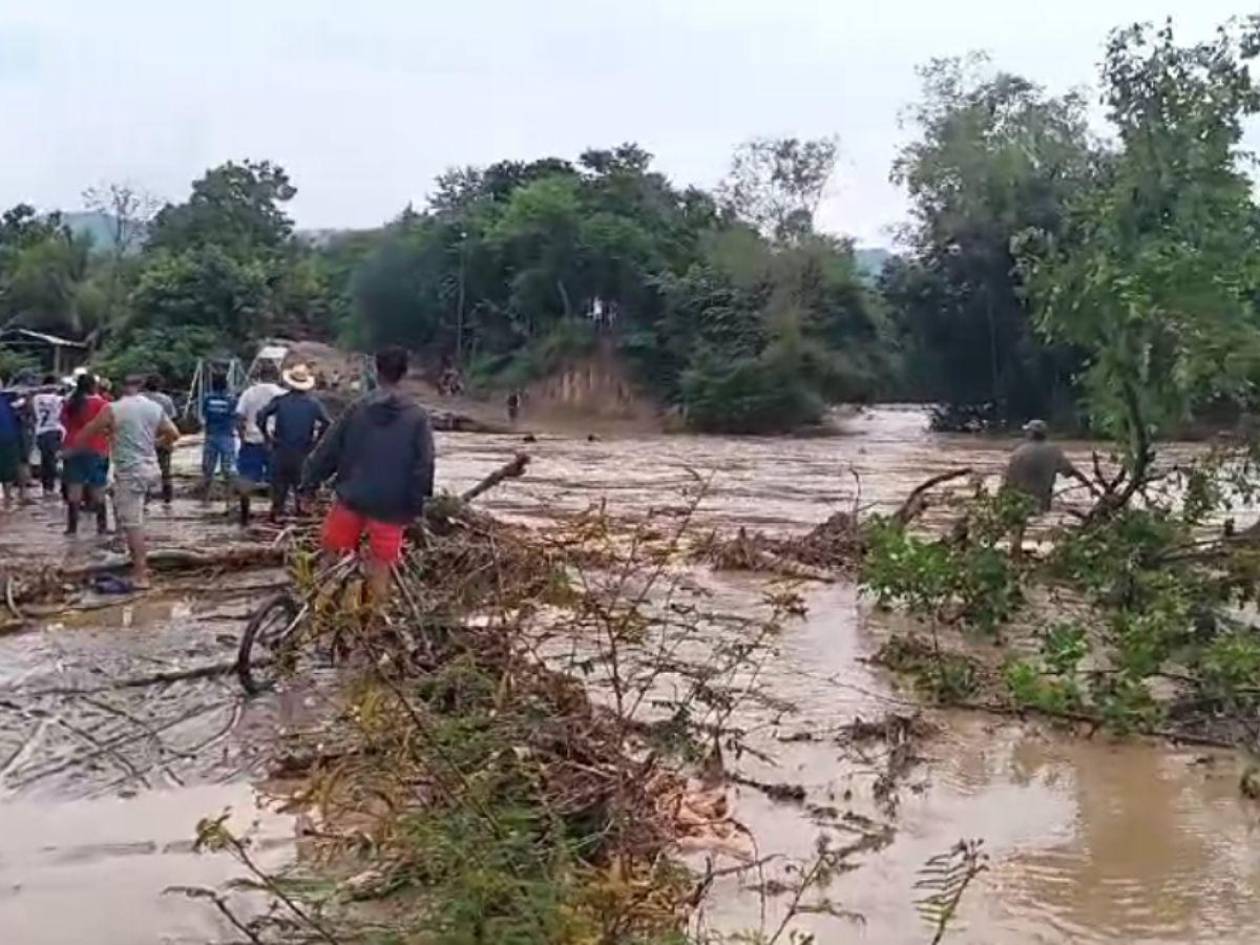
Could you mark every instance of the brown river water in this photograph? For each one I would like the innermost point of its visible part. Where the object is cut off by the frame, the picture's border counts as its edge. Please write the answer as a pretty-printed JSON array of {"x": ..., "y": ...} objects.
[{"x": 1089, "y": 841}]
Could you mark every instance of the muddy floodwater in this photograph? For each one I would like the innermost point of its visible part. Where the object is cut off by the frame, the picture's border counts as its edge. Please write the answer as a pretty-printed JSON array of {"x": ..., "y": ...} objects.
[{"x": 1089, "y": 840}]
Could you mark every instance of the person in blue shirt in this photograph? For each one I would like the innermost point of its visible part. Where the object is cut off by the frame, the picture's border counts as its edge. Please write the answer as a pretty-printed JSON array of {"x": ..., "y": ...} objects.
[
  {"x": 11, "y": 457},
  {"x": 218, "y": 420}
]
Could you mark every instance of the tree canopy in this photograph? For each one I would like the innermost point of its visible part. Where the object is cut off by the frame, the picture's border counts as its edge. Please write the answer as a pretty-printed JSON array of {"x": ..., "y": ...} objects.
[{"x": 1045, "y": 270}]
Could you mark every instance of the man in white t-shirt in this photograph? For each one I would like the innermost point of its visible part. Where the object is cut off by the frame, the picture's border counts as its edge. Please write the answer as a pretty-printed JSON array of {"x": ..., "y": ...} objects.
[
  {"x": 46, "y": 409},
  {"x": 253, "y": 463}
]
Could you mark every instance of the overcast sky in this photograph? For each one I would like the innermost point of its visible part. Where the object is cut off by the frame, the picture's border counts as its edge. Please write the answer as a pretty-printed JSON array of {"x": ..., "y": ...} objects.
[{"x": 364, "y": 101}]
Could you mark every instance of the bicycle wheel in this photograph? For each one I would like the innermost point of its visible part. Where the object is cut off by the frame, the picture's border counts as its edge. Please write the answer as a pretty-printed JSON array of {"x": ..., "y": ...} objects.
[{"x": 268, "y": 628}]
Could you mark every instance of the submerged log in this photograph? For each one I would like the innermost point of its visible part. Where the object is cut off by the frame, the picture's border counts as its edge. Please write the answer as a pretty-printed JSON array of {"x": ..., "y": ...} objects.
[
  {"x": 450, "y": 422},
  {"x": 511, "y": 470},
  {"x": 916, "y": 501}
]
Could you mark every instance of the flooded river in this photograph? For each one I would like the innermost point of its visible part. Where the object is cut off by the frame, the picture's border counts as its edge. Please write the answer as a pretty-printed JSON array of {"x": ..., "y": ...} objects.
[{"x": 1089, "y": 841}]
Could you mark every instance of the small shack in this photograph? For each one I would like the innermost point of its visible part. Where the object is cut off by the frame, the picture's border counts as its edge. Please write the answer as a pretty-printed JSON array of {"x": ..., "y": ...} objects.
[{"x": 53, "y": 355}]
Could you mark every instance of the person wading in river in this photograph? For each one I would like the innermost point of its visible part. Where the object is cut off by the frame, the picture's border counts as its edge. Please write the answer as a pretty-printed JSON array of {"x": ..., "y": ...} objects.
[
  {"x": 299, "y": 420},
  {"x": 86, "y": 471},
  {"x": 135, "y": 426},
  {"x": 381, "y": 453},
  {"x": 1032, "y": 471}
]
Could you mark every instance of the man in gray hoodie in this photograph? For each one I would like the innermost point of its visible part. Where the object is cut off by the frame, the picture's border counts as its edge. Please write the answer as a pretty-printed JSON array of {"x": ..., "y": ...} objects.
[{"x": 381, "y": 453}]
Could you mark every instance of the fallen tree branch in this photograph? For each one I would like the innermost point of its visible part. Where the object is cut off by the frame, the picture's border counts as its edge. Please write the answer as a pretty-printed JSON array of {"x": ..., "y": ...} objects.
[
  {"x": 1095, "y": 722},
  {"x": 511, "y": 470},
  {"x": 155, "y": 679},
  {"x": 182, "y": 559},
  {"x": 914, "y": 504}
]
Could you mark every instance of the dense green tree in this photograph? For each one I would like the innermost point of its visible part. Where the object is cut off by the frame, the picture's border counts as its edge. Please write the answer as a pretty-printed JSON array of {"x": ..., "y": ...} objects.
[
  {"x": 1156, "y": 273},
  {"x": 515, "y": 268},
  {"x": 236, "y": 207},
  {"x": 203, "y": 288},
  {"x": 776, "y": 184},
  {"x": 995, "y": 157}
]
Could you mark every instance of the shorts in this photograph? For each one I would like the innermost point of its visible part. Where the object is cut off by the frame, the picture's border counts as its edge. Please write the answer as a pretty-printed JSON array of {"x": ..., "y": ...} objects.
[
  {"x": 85, "y": 468},
  {"x": 130, "y": 493},
  {"x": 10, "y": 461},
  {"x": 253, "y": 463},
  {"x": 344, "y": 529}
]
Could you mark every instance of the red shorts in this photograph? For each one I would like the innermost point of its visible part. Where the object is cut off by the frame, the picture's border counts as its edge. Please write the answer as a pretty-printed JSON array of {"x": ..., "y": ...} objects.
[{"x": 344, "y": 528}]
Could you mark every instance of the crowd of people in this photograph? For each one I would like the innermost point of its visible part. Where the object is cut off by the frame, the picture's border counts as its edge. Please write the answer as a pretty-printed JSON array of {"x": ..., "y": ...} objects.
[{"x": 274, "y": 435}]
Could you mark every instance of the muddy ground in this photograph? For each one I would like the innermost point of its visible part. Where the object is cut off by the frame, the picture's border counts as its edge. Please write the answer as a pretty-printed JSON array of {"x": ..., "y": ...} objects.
[{"x": 1089, "y": 841}]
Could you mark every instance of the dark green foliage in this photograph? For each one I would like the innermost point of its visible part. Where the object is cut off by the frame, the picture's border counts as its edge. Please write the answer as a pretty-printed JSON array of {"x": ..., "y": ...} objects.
[
  {"x": 217, "y": 274},
  {"x": 172, "y": 352},
  {"x": 567, "y": 342},
  {"x": 966, "y": 579},
  {"x": 492, "y": 857},
  {"x": 236, "y": 207},
  {"x": 748, "y": 395},
  {"x": 1154, "y": 271},
  {"x": 200, "y": 288},
  {"x": 996, "y": 157},
  {"x": 742, "y": 333}
]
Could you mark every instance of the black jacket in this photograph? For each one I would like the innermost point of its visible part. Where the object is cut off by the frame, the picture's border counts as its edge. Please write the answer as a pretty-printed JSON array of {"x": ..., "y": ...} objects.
[
  {"x": 300, "y": 419},
  {"x": 381, "y": 451}
]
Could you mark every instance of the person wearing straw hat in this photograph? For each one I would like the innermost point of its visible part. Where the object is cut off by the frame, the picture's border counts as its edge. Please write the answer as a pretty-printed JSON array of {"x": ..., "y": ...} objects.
[{"x": 297, "y": 421}]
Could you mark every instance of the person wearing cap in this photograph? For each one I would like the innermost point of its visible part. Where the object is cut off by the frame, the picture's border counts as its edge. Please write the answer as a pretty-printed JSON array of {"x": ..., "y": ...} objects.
[
  {"x": 253, "y": 467},
  {"x": 135, "y": 426},
  {"x": 1032, "y": 470},
  {"x": 298, "y": 420}
]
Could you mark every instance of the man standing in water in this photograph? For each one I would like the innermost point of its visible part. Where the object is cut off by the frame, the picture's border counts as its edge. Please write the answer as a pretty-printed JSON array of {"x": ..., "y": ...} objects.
[
  {"x": 253, "y": 469},
  {"x": 300, "y": 420},
  {"x": 136, "y": 426},
  {"x": 1032, "y": 471},
  {"x": 153, "y": 390},
  {"x": 381, "y": 453}
]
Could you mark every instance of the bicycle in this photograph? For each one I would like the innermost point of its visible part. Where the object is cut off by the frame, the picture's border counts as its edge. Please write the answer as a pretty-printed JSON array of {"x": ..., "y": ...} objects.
[
  {"x": 281, "y": 624},
  {"x": 278, "y": 625}
]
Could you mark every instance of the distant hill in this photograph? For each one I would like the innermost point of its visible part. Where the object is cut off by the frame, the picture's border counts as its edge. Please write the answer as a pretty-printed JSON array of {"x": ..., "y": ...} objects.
[{"x": 871, "y": 261}]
